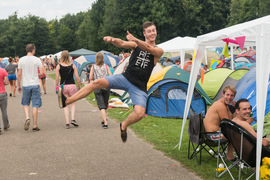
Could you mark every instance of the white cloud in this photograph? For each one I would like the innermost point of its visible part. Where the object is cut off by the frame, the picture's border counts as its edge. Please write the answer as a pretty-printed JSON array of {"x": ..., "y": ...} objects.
[{"x": 48, "y": 9}]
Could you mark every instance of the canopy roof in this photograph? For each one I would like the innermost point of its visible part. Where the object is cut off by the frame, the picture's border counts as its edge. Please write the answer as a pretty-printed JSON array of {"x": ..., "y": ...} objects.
[
  {"x": 81, "y": 52},
  {"x": 256, "y": 32},
  {"x": 178, "y": 43}
]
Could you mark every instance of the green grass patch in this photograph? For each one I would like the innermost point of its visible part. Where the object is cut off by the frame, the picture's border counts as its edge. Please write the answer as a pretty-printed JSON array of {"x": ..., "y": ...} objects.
[
  {"x": 164, "y": 135},
  {"x": 51, "y": 75}
]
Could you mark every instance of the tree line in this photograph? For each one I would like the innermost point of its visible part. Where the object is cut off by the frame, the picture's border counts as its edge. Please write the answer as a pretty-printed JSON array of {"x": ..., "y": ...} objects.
[{"x": 114, "y": 17}]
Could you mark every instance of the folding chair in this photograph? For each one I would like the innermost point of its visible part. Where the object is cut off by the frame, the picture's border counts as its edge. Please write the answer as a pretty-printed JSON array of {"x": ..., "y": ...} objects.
[
  {"x": 198, "y": 140},
  {"x": 244, "y": 145}
]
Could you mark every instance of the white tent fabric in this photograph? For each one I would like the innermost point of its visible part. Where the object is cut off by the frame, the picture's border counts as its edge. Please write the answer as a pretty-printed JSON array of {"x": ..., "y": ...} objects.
[
  {"x": 257, "y": 32},
  {"x": 179, "y": 44}
]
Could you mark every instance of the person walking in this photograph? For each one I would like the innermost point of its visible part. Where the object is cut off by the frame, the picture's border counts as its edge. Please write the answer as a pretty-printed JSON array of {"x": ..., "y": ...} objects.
[
  {"x": 42, "y": 79},
  {"x": 3, "y": 98},
  {"x": 28, "y": 72},
  {"x": 11, "y": 70},
  {"x": 66, "y": 70},
  {"x": 98, "y": 71},
  {"x": 145, "y": 55}
]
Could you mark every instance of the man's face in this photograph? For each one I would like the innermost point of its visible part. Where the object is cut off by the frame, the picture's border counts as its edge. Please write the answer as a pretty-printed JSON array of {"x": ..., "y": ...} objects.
[
  {"x": 150, "y": 33},
  {"x": 244, "y": 111},
  {"x": 228, "y": 96}
]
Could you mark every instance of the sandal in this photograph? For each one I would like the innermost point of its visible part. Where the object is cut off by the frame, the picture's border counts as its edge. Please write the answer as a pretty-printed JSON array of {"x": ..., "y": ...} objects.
[
  {"x": 27, "y": 124},
  {"x": 36, "y": 129},
  {"x": 67, "y": 126}
]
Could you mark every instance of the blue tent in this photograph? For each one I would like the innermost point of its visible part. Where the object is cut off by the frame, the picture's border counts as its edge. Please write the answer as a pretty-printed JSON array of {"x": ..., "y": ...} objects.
[
  {"x": 248, "y": 79},
  {"x": 167, "y": 98},
  {"x": 250, "y": 94}
]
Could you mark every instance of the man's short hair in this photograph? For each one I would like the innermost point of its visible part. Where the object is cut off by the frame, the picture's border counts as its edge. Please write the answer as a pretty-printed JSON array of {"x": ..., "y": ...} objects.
[
  {"x": 147, "y": 24},
  {"x": 230, "y": 88},
  {"x": 237, "y": 104},
  {"x": 30, "y": 48}
]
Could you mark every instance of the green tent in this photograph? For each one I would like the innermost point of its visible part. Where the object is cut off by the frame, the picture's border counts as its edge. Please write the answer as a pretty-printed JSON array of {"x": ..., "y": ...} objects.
[
  {"x": 214, "y": 81},
  {"x": 174, "y": 72},
  {"x": 81, "y": 52}
]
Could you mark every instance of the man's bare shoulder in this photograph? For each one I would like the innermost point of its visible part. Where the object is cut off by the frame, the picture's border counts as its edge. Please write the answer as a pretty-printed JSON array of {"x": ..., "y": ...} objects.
[
  {"x": 218, "y": 105},
  {"x": 244, "y": 124}
]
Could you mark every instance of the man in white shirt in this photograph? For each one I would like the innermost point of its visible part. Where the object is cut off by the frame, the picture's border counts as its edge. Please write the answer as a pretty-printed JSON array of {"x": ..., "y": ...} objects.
[{"x": 28, "y": 72}]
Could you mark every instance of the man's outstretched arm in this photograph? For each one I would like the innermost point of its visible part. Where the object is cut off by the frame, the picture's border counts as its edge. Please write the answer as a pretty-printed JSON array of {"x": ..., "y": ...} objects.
[{"x": 120, "y": 43}]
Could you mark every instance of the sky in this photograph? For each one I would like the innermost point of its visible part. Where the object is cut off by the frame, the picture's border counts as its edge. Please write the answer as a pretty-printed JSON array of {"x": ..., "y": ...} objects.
[{"x": 48, "y": 9}]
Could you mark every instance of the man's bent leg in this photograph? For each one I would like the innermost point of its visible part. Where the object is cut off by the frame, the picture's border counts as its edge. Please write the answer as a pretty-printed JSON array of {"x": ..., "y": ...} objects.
[
  {"x": 86, "y": 90},
  {"x": 230, "y": 155},
  {"x": 134, "y": 117}
]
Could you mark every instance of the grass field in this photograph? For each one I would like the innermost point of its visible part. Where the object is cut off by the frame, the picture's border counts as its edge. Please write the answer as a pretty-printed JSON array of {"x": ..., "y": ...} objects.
[{"x": 164, "y": 135}]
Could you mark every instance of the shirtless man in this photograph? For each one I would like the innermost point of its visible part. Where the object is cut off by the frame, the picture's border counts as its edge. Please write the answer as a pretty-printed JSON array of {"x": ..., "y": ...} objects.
[
  {"x": 243, "y": 110},
  {"x": 216, "y": 113},
  {"x": 219, "y": 110}
]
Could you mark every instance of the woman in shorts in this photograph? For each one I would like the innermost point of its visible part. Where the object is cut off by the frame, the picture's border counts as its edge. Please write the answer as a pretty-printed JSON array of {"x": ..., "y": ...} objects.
[
  {"x": 11, "y": 70},
  {"x": 67, "y": 70},
  {"x": 100, "y": 70}
]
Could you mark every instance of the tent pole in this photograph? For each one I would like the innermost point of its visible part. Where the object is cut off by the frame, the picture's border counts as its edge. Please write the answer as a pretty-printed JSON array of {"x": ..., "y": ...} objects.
[{"x": 232, "y": 62}]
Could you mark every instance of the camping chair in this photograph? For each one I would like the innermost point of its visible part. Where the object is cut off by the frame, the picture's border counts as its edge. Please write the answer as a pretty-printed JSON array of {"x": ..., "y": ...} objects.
[
  {"x": 244, "y": 145},
  {"x": 198, "y": 140},
  {"x": 126, "y": 98}
]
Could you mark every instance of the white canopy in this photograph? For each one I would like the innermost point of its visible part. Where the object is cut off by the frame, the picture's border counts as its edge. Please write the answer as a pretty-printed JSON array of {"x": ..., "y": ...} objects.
[
  {"x": 257, "y": 32},
  {"x": 179, "y": 44}
]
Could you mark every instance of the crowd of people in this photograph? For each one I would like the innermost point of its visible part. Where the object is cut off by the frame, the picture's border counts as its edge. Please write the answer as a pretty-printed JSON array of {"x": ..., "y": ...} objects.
[{"x": 145, "y": 54}]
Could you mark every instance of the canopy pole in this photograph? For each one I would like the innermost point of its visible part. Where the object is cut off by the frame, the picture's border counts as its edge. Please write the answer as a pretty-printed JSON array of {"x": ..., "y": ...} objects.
[
  {"x": 182, "y": 55},
  {"x": 205, "y": 56}
]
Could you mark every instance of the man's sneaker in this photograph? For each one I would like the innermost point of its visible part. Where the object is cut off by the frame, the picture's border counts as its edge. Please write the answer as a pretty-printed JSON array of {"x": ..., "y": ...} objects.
[
  {"x": 102, "y": 122},
  {"x": 74, "y": 123},
  {"x": 105, "y": 126},
  {"x": 123, "y": 133},
  {"x": 27, "y": 124},
  {"x": 6, "y": 128},
  {"x": 61, "y": 98}
]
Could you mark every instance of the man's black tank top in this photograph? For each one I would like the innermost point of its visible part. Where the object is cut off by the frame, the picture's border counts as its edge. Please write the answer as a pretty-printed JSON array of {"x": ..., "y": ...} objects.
[
  {"x": 66, "y": 73},
  {"x": 141, "y": 64}
]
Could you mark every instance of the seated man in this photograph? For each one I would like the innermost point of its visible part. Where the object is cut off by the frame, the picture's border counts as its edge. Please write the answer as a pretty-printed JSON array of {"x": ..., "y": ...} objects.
[
  {"x": 216, "y": 113},
  {"x": 243, "y": 110}
]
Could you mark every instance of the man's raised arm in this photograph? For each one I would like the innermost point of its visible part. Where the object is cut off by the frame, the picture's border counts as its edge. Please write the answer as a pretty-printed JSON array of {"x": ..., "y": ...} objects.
[{"x": 155, "y": 51}]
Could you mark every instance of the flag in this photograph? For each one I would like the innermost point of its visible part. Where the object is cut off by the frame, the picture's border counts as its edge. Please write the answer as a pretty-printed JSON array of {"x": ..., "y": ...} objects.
[{"x": 225, "y": 50}]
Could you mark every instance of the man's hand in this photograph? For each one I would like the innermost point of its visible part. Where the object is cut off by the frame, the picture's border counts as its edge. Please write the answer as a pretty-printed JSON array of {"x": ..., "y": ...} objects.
[
  {"x": 20, "y": 89},
  {"x": 108, "y": 39},
  {"x": 130, "y": 37}
]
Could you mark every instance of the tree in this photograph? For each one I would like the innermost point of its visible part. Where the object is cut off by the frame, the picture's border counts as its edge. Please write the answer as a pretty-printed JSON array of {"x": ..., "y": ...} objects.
[
  {"x": 243, "y": 10},
  {"x": 65, "y": 38}
]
